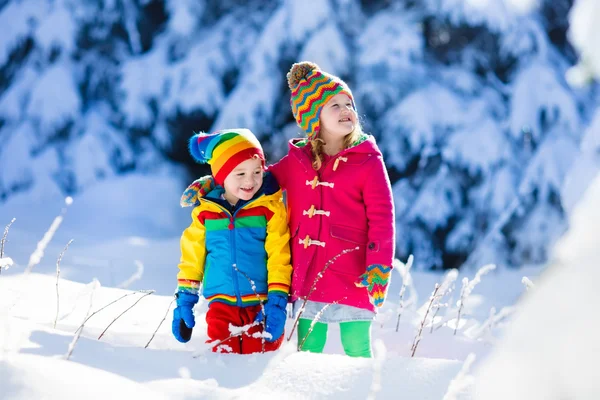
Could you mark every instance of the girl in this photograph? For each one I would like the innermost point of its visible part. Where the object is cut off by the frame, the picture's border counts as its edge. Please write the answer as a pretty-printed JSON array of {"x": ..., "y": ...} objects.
[{"x": 339, "y": 197}]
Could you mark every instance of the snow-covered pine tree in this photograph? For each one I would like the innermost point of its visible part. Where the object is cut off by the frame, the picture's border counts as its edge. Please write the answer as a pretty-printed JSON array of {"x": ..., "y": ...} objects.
[{"x": 468, "y": 103}]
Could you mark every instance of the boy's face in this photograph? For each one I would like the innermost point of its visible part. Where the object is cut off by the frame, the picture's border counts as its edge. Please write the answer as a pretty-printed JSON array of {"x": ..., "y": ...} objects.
[
  {"x": 338, "y": 118},
  {"x": 244, "y": 181}
]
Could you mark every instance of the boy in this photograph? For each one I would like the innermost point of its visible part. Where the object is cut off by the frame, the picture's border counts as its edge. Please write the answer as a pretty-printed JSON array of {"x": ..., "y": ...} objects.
[{"x": 237, "y": 246}]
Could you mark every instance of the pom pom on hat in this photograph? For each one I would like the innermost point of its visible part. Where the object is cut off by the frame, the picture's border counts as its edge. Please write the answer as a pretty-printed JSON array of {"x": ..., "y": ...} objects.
[
  {"x": 300, "y": 71},
  {"x": 224, "y": 150},
  {"x": 311, "y": 89}
]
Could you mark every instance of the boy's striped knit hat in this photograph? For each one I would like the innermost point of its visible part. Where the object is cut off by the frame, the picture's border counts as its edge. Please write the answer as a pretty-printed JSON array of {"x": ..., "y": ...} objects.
[
  {"x": 224, "y": 150},
  {"x": 311, "y": 89}
]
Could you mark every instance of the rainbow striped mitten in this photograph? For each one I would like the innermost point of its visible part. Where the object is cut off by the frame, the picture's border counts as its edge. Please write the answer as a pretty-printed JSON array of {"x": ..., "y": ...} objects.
[
  {"x": 376, "y": 280},
  {"x": 196, "y": 190}
]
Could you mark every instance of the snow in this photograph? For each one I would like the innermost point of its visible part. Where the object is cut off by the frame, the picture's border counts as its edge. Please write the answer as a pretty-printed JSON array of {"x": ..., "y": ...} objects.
[
  {"x": 182, "y": 19},
  {"x": 552, "y": 348},
  {"x": 385, "y": 42},
  {"x": 538, "y": 87},
  {"x": 326, "y": 49},
  {"x": 478, "y": 156},
  {"x": 302, "y": 21},
  {"x": 5, "y": 262},
  {"x": 16, "y": 18},
  {"x": 57, "y": 29},
  {"x": 118, "y": 363},
  {"x": 54, "y": 99},
  {"x": 584, "y": 35},
  {"x": 13, "y": 100},
  {"x": 497, "y": 14},
  {"x": 129, "y": 245},
  {"x": 585, "y": 166}
]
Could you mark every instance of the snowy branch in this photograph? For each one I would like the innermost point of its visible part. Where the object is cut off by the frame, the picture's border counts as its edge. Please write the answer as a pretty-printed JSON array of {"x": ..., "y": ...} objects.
[
  {"x": 468, "y": 287},
  {"x": 5, "y": 262},
  {"x": 404, "y": 270}
]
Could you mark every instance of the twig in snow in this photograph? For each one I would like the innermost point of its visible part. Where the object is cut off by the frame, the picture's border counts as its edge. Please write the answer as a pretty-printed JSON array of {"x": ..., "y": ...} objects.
[
  {"x": 60, "y": 256},
  {"x": 79, "y": 330},
  {"x": 462, "y": 380},
  {"x": 406, "y": 280},
  {"x": 314, "y": 285},
  {"x": 484, "y": 331},
  {"x": 445, "y": 288},
  {"x": 315, "y": 320},
  {"x": 420, "y": 332},
  {"x": 262, "y": 304},
  {"x": 467, "y": 288},
  {"x": 158, "y": 327},
  {"x": 147, "y": 293},
  {"x": 38, "y": 254},
  {"x": 137, "y": 275},
  {"x": 102, "y": 308},
  {"x": 7, "y": 263}
]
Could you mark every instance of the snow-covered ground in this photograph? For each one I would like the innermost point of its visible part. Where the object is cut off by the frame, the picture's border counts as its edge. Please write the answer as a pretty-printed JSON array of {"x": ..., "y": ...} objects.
[{"x": 132, "y": 243}]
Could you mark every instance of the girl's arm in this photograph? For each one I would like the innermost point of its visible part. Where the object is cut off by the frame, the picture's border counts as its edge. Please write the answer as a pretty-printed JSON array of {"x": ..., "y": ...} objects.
[
  {"x": 277, "y": 245},
  {"x": 279, "y": 170},
  {"x": 193, "y": 256},
  {"x": 379, "y": 206}
]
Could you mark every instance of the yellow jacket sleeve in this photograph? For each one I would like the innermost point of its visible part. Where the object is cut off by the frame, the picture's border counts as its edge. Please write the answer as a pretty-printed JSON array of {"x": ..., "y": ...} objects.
[
  {"x": 193, "y": 255},
  {"x": 277, "y": 245}
]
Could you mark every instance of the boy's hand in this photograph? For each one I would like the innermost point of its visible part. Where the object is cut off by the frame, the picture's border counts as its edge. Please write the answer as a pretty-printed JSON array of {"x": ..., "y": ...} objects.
[
  {"x": 376, "y": 280},
  {"x": 276, "y": 316},
  {"x": 183, "y": 316}
]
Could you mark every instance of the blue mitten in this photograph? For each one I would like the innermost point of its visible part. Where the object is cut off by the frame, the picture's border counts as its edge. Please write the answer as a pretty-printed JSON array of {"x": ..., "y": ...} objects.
[
  {"x": 183, "y": 316},
  {"x": 276, "y": 316}
]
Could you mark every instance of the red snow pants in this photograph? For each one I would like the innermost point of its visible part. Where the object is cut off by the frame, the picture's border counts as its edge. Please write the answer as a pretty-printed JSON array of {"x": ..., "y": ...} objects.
[{"x": 218, "y": 319}]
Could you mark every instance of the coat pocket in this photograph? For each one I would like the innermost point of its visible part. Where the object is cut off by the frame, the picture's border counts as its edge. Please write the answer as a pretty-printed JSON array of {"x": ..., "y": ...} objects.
[{"x": 349, "y": 234}]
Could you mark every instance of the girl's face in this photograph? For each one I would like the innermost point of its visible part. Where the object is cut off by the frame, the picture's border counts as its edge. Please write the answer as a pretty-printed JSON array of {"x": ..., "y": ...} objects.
[
  {"x": 244, "y": 181},
  {"x": 338, "y": 118}
]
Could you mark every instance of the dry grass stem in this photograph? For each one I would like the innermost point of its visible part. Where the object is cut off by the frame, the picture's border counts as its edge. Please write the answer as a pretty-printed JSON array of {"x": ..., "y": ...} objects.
[
  {"x": 60, "y": 256},
  {"x": 424, "y": 320},
  {"x": 102, "y": 308},
  {"x": 80, "y": 329},
  {"x": 147, "y": 293},
  {"x": 314, "y": 285},
  {"x": 4, "y": 240},
  {"x": 159, "y": 325},
  {"x": 315, "y": 320},
  {"x": 405, "y": 281}
]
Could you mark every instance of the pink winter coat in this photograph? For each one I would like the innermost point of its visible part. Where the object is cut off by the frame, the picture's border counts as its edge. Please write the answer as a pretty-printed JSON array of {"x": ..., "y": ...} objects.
[{"x": 351, "y": 202}]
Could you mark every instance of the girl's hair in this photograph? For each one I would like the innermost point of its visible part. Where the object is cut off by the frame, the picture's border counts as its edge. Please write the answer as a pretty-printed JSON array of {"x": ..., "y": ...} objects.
[{"x": 316, "y": 145}]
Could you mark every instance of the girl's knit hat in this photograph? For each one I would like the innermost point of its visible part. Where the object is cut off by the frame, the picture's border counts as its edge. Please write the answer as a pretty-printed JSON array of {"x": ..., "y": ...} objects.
[
  {"x": 311, "y": 89},
  {"x": 224, "y": 150}
]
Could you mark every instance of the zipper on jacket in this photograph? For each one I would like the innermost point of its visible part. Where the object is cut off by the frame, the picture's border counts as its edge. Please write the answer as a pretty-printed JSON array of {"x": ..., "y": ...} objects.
[
  {"x": 234, "y": 277},
  {"x": 234, "y": 273},
  {"x": 234, "y": 259}
]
